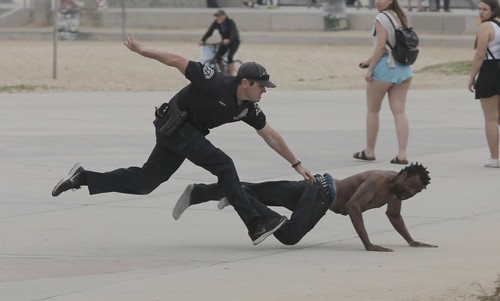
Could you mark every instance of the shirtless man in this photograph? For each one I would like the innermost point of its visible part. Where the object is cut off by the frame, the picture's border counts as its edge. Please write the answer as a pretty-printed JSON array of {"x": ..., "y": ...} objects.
[{"x": 350, "y": 196}]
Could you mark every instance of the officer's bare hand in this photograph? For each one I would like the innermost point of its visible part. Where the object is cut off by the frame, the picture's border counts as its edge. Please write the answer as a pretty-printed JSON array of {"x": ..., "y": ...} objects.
[
  {"x": 308, "y": 176},
  {"x": 132, "y": 44}
]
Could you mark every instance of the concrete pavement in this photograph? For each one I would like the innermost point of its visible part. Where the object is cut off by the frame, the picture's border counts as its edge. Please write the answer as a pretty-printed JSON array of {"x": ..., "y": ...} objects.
[{"x": 124, "y": 247}]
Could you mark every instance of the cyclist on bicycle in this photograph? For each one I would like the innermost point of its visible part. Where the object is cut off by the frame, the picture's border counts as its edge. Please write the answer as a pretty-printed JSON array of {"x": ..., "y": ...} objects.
[{"x": 230, "y": 39}]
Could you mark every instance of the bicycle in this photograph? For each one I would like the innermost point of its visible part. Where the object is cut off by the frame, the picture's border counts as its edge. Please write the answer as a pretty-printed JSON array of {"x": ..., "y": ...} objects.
[{"x": 208, "y": 52}]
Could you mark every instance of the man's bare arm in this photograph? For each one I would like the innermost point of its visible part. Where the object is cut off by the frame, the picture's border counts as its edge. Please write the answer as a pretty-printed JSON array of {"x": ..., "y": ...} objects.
[
  {"x": 354, "y": 206},
  {"x": 278, "y": 144},
  {"x": 394, "y": 214},
  {"x": 169, "y": 59}
]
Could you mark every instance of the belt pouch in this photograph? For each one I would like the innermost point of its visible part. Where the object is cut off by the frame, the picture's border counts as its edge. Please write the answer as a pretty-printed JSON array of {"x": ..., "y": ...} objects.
[{"x": 175, "y": 120}]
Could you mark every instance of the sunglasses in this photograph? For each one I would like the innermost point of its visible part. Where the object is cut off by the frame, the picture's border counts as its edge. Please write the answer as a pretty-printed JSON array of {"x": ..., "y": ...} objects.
[{"x": 264, "y": 77}]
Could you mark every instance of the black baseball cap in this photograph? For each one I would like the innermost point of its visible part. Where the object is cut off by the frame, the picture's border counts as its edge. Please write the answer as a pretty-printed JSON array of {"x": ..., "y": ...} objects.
[
  {"x": 219, "y": 13},
  {"x": 256, "y": 72}
]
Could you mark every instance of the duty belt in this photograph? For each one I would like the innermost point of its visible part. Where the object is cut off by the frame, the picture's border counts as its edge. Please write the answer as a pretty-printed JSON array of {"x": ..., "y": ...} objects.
[
  {"x": 320, "y": 180},
  {"x": 167, "y": 109},
  {"x": 161, "y": 111},
  {"x": 327, "y": 184}
]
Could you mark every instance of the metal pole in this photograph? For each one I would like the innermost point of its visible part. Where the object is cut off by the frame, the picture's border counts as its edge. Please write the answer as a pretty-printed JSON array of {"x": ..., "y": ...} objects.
[
  {"x": 54, "y": 37},
  {"x": 123, "y": 19}
]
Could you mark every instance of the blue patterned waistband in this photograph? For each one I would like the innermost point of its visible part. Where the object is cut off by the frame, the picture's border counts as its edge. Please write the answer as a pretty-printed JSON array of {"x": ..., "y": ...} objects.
[{"x": 327, "y": 182}]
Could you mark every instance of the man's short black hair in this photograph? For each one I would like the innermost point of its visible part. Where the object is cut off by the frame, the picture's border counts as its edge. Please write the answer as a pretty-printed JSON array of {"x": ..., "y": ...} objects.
[{"x": 416, "y": 169}]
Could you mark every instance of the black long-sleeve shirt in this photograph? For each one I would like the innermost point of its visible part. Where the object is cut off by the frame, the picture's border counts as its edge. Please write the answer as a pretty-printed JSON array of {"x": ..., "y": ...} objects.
[{"x": 227, "y": 30}]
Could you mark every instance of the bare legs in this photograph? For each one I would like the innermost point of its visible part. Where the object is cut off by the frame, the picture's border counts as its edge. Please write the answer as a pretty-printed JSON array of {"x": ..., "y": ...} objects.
[
  {"x": 491, "y": 109},
  {"x": 419, "y": 5},
  {"x": 375, "y": 92},
  {"x": 397, "y": 103},
  {"x": 230, "y": 68}
]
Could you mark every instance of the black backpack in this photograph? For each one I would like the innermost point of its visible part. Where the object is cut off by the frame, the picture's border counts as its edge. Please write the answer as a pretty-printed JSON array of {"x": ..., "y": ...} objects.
[{"x": 405, "y": 51}]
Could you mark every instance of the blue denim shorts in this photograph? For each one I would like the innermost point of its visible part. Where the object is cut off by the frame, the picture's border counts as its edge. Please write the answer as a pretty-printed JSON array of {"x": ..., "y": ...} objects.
[{"x": 396, "y": 75}]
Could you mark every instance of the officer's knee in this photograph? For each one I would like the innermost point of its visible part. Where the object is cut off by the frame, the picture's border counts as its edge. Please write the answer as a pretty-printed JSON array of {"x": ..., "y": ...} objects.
[{"x": 227, "y": 168}]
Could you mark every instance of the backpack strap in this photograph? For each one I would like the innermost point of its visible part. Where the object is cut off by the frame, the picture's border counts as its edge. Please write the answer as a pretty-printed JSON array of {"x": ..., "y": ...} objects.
[
  {"x": 489, "y": 51},
  {"x": 389, "y": 19},
  {"x": 392, "y": 23},
  {"x": 487, "y": 48}
]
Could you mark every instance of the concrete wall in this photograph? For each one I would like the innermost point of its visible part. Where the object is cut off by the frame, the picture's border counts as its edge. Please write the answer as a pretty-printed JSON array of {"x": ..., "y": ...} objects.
[
  {"x": 285, "y": 19},
  {"x": 238, "y": 3},
  {"x": 191, "y": 3},
  {"x": 15, "y": 17},
  {"x": 172, "y": 3},
  {"x": 276, "y": 20},
  {"x": 41, "y": 11},
  {"x": 157, "y": 3},
  {"x": 445, "y": 24},
  {"x": 187, "y": 18}
]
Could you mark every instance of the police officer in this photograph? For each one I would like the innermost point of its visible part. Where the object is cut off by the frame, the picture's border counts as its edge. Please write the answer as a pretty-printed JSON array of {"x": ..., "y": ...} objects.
[{"x": 210, "y": 100}]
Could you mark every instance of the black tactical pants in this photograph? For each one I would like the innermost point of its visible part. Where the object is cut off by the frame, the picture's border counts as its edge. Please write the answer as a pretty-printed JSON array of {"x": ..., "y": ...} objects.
[{"x": 167, "y": 156}]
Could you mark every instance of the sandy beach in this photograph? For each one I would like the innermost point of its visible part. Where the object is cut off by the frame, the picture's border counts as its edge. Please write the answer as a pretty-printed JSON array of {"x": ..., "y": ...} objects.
[{"x": 110, "y": 66}]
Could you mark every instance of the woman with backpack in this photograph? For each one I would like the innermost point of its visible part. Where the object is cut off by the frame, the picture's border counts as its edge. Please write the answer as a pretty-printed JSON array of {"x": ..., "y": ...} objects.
[
  {"x": 485, "y": 74},
  {"x": 384, "y": 75}
]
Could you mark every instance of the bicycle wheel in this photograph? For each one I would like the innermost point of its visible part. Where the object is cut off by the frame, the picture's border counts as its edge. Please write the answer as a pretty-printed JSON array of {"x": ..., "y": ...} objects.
[{"x": 237, "y": 65}]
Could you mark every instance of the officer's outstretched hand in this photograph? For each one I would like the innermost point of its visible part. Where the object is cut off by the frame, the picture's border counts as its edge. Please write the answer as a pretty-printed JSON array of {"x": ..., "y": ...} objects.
[
  {"x": 132, "y": 44},
  {"x": 308, "y": 176}
]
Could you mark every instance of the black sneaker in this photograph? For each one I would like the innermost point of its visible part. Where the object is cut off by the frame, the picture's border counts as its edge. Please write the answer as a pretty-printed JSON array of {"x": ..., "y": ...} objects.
[
  {"x": 266, "y": 228},
  {"x": 71, "y": 181},
  {"x": 183, "y": 203}
]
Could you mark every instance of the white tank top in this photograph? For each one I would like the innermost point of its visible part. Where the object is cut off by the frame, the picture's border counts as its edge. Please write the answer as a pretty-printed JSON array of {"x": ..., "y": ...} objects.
[{"x": 494, "y": 45}]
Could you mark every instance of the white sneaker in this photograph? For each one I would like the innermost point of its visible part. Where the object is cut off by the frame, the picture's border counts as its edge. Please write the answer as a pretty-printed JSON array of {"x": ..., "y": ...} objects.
[
  {"x": 223, "y": 203},
  {"x": 492, "y": 163}
]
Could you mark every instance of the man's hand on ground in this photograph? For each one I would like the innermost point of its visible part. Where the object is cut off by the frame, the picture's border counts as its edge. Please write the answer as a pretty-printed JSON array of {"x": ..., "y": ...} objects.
[
  {"x": 421, "y": 245},
  {"x": 377, "y": 248}
]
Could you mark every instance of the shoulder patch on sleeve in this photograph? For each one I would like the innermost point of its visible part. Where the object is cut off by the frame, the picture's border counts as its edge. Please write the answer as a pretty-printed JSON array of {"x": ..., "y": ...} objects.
[
  {"x": 257, "y": 109},
  {"x": 208, "y": 72}
]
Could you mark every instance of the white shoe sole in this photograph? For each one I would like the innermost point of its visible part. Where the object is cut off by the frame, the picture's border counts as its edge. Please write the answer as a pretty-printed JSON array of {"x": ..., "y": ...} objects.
[
  {"x": 223, "y": 203},
  {"x": 183, "y": 203}
]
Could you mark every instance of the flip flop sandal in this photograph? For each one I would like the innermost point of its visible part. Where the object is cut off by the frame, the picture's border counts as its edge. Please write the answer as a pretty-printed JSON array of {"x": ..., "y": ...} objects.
[
  {"x": 397, "y": 161},
  {"x": 362, "y": 156}
]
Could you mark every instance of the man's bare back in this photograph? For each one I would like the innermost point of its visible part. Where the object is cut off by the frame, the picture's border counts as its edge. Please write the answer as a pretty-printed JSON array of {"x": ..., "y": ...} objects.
[{"x": 373, "y": 180}]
